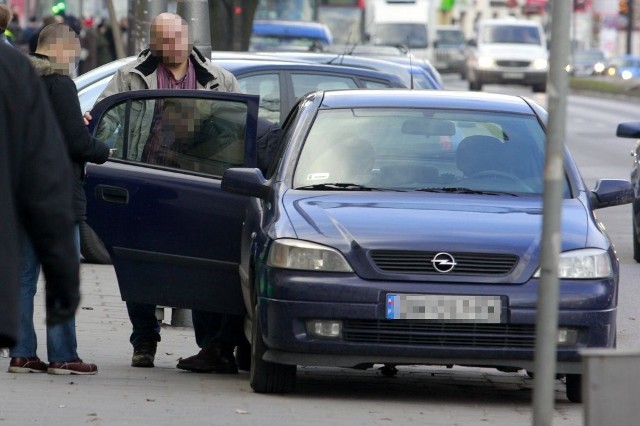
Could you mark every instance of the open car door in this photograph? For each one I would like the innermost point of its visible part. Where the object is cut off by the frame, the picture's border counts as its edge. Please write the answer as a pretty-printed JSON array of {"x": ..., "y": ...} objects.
[{"x": 173, "y": 235}]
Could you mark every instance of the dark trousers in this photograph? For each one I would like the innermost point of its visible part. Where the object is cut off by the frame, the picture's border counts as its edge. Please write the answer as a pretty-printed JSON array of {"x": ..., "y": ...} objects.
[{"x": 208, "y": 326}]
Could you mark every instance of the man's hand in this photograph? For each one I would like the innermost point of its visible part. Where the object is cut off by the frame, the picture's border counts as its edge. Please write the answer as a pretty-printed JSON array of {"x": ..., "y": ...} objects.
[{"x": 87, "y": 118}]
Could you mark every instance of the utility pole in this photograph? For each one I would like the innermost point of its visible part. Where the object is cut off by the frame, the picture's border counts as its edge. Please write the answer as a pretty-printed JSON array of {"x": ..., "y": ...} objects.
[
  {"x": 141, "y": 13},
  {"x": 630, "y": 25},
  {"x": 196, "y": 13}
]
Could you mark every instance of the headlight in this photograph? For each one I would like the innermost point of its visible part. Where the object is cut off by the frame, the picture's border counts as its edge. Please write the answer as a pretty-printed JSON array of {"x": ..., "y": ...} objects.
[
  {"x": 599, "y": 67},
  {"x": 583, "y": 264},
  {"x": 568, "y": 68},
  {"x": 485, "y": 62},
  {"x": 540, "y": 64},
  {"x": 626, "y": 75},
  {"x": 303, "y": 255}
]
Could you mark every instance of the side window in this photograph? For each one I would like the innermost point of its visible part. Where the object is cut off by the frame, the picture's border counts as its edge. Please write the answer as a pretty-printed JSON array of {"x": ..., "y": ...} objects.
[
  {"x": 305, "y": 83},
  {"x": 195, "y": 135},
  {"x": 372, "y": 84},
  {"x": 267, "y": 86},
  {"x": 282, "y": 142}
]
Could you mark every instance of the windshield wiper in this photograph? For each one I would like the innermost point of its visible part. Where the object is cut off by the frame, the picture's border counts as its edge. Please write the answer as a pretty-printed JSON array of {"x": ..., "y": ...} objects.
[
  {"x": 340, "y": 186},
  {"x": 462, "y": 190}
]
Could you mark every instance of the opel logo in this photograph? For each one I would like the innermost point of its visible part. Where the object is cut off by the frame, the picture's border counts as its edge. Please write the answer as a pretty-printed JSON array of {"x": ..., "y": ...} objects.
[{"x": 443, "y": 262}]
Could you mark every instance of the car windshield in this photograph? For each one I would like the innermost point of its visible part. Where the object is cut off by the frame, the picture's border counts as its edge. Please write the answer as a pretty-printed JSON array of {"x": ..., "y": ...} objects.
[
  {"x": 412, "y": 35},
  {"x": 588, "y": 57},
  {"x": 403, "y": 149},
  {"x": 511, "y": 34},
  {"x": 450, "y": 37}
]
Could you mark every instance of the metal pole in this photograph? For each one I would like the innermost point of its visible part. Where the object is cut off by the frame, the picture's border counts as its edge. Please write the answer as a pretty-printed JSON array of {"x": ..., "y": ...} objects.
[
  {"x": 547, "y": 309},
  {"x": 115, "y": 28},
  {"x": 196, "y": 13},
  {"x": 630, "y": 24},
  {"x": 143, "y": 13}
]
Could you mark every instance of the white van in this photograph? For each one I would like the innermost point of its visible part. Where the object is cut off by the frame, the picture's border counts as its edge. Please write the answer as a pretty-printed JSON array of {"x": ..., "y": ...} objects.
[
  {"x": 398, "y": 22},
  {"x": 508, "y": 51}
]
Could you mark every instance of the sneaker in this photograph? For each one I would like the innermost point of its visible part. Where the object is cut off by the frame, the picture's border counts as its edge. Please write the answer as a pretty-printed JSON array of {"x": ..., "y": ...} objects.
[
  {"x": 27, "y": 365},
  {"x": 216, "y": 358},
  {"x": 75, "y": 366},
  {"x": 144, "y": 352}
]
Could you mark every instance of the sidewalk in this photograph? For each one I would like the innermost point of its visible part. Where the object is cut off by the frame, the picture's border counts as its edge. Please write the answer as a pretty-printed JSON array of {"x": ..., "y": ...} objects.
[{"x": 118, "y": 394}]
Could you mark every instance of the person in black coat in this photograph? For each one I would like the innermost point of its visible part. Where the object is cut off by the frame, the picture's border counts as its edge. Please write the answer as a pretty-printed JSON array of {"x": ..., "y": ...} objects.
[
  {"x": 54, "y": 59},
  {"x": 36, "y": 196}
]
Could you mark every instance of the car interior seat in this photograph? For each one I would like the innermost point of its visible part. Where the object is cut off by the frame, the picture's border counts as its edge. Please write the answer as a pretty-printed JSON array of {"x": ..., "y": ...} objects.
[{"x": 480, "y": 153}]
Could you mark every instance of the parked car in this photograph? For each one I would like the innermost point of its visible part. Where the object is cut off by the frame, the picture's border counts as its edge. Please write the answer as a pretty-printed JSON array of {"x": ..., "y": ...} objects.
[
  {"x": 625, "y": 67},
  {"x": 508, "y": 51},
  {"x": 632, "y": 130},
  {"x": 284, "y": 35},
  {"x": 403, "y": 227},
  {"x": 278, "y": 83},
  {"x": 587, "y": 62},
  {"x": 413, "y": 73}
]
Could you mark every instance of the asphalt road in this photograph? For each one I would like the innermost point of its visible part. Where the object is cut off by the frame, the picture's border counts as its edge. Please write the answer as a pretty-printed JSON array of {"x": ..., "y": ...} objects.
[{"x": 438, "y": 396}]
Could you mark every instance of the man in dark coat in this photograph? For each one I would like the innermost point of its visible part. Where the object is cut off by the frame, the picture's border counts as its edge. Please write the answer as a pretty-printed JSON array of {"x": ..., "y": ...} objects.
[
  {"x": 36, "y": 196},
  {"x": 55, "y": 58}
]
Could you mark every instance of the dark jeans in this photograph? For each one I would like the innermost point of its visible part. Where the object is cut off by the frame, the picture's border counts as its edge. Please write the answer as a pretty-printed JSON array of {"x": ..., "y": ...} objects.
[{"x": 208, "y": 326}]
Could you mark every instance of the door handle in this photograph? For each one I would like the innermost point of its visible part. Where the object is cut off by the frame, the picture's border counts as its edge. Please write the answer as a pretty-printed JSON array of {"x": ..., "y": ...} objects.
[{"x": 112, "y": 194}]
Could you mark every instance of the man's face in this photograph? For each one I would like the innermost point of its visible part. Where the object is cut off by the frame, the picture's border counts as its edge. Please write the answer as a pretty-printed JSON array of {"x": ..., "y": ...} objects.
[
  {"x": 66, "y": 53},
  {"x": 170, "y": 41}
]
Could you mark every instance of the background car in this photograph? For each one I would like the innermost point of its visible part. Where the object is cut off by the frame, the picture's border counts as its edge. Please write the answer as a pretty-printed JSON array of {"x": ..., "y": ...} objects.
[
  {"x": 289, "y": 35},
  {"x": 587, "y": 62},
  {"x": 403, "y": 227},
  {"x": 449, "y": 49},
  {"x": 279, "y": 84},
  {"x": 632, "y": 131},
  {"x": 508, "y": 51},
  {"x": 625, "y": 67}
]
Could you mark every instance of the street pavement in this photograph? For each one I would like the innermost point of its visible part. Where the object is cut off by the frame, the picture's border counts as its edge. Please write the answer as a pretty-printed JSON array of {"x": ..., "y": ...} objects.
[{"x": 164, "y": 395}]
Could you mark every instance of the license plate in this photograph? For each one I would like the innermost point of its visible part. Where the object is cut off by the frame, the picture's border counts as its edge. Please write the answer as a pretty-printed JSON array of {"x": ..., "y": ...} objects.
[
  {"x": 513, "y": 75},
  {"x": 444, "y": 308}
]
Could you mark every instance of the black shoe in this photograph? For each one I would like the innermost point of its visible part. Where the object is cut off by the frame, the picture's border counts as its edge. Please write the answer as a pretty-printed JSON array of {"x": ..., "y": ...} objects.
[
  {"x": 216, "y": 358},
  {"x": 144, "y": 352}
]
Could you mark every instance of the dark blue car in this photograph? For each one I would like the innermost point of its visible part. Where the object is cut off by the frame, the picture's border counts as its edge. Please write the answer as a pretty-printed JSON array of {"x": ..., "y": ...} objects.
[{"x": 403, "y": 227}]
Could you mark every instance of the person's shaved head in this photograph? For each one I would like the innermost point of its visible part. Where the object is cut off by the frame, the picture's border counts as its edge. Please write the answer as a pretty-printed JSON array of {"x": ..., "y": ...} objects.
[
  {"x": 61, "y": 44},
  {"x": 169, "y": 39}
]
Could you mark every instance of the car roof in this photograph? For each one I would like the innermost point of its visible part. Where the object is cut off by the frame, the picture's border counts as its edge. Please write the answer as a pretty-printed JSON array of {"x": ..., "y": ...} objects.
[
  {"x": 292, "y": 29},
  {"x": 425, "y": 99},
  {"x": 510, "y": 21},
  {"x": 247, "y": 65}
]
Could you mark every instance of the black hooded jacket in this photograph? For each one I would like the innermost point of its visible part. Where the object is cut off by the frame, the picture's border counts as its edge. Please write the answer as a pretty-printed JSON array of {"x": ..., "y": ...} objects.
[
  {"x": 35, "y": 194},
  {"x": 81, "y": 145}
]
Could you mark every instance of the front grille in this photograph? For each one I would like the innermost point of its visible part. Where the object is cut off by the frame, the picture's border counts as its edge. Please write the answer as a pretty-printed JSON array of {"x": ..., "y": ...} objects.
[
  {"x": 513, "y": 64},
  {"x": 419, "y": 262},
  {"x": 406, "y": 332}
]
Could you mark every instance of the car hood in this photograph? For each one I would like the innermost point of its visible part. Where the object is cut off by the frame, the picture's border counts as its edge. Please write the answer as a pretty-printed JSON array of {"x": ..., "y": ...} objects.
[
  {"x": 514, "y": 51},
  {"x": 430, "y": 222}
]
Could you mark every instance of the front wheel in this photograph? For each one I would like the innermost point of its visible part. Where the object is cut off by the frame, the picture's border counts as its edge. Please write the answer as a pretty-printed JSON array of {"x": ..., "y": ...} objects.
[
  {"x": 574, "y": 387},
  {"x": 265, "y": 376},
  {"x": 540, "y": 88}
]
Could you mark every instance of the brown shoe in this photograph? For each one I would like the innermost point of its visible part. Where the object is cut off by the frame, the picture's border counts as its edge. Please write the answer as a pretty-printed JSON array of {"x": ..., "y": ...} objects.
[
  {"x": 27, "y": 365},
  {"x": 216, "y": 358},
  {"x": 75, "y": 366}
]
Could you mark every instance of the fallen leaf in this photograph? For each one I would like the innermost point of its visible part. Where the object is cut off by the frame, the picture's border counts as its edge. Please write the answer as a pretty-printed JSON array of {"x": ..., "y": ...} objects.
[
  {"x": 151, "y": 400},
  {"x": 87, "y": 308}
]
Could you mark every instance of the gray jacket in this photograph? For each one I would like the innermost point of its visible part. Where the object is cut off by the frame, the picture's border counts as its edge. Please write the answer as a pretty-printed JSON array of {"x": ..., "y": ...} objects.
[{"x": 141, "y": 74}]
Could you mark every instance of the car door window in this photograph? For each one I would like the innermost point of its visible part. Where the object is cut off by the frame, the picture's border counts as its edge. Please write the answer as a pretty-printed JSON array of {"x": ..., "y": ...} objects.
[
  {"x": 193, "y": 135},
  {"x": 373, "y": 84},
  {"x": 267, "y": 86},
  {"x": 305, "y": 83}
]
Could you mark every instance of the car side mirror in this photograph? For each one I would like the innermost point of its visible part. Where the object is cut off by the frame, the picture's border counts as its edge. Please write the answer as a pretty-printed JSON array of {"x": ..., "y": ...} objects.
[
  {"x": 628, "y": 130},
  {"x": 245, "y": 181},
  {"x": 611, "y": 192}
]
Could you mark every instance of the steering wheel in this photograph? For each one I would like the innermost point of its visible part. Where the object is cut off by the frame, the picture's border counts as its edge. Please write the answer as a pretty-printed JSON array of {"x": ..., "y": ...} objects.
[{"x": 519, "y": 183}]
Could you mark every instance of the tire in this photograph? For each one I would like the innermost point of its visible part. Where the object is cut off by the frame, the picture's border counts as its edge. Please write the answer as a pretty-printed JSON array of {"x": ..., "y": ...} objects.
[
  {"x": 91, "y": 246},
  {"x": 265, "y": 376},
  {"x": 574, "y": 387},
  {"x": 636, "y": 244},
  {"x": 475, "y": 86},
  {"x": 539, "y": 88}
]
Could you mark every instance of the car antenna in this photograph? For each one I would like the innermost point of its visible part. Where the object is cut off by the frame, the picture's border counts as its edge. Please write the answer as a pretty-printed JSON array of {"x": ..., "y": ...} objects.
[
  {"x": 344, "y": 52},
  {"x": 408, "y": 50}
]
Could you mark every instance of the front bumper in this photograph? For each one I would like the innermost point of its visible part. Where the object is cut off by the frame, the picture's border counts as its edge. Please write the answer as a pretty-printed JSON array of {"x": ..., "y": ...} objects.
[
  {"x": 292, "y": 298},
  {"x": 511, "y": 76}
]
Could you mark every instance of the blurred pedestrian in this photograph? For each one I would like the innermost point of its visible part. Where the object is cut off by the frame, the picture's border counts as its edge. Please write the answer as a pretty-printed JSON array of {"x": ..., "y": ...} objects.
[
  {"x": 171, "y": 62},
  {"x": 5, "y": 18},
  {"x": 36, "y": 196},
  {"x": 54, "y": 60},
  {"x": 89, "y": 43}
]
